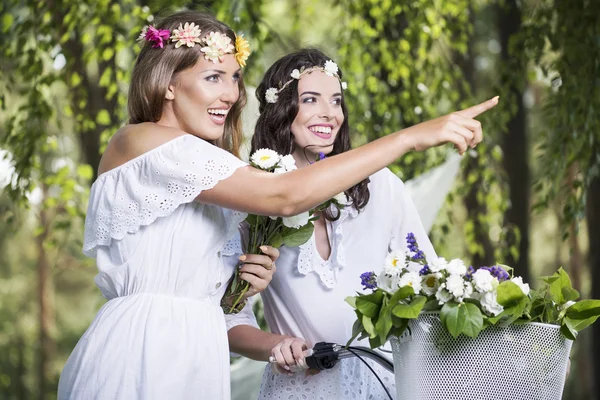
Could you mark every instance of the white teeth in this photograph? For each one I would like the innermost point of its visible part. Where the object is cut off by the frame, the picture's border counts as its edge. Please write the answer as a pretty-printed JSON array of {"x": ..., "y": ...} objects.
[
  {"x": 321, "y": 129},
  {"x": 216, "y": 111}
]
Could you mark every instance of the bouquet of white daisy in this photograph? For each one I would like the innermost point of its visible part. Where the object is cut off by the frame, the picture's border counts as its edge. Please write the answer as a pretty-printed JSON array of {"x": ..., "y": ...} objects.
[{"x": 272, "y": 231}]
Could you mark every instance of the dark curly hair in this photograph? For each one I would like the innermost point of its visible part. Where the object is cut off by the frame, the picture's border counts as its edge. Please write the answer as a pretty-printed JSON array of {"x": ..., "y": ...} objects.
[{"x": 273, "y": 127}]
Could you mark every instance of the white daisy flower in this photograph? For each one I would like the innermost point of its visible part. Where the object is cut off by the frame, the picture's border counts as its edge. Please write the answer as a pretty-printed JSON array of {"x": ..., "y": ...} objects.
[
  {"x": 394, "y": 263},
  {"x": 330, "y": 68},
  {"x": 295, "y": 74},
  {"x": 297, "y": 221},
  {"x": 519, "y": 282},
  {"x": 271, "y": 95},
  {"x": 265, "y": 158},
  {"x": 412, "y": 279},
  {"x": 430, "y": 283}
]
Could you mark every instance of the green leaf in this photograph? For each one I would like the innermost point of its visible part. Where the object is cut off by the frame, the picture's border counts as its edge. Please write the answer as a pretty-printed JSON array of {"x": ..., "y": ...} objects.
[
  {"x": 568, "y": 330},
  {"x": 351, "y": 300},
  {"x": 584, "y": 309},
  {"x": 370, "y": 304},
  {"x": 298, "y": 236},
  {"x": 509, "y": 293},
  {"x": 103, "y": 118},
  {"x": 412, "y": 310},
  {"x": 465, "y": 318},
  {"x": 369, "y": 327},
  {"x": 556, "y": 286},
  {"x": 85, "y": 171},
  {"x": 401, "y": 294},
  {"x": 570, "y": 294},
  {"x": 7, "y": 21},
  {"x": 384, "y": 322},
  {"x": 277, "y": 241}
]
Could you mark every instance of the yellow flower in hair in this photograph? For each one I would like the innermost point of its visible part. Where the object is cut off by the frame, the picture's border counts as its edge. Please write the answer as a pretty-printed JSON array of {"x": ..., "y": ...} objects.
[{"x": 242, "y": 50}]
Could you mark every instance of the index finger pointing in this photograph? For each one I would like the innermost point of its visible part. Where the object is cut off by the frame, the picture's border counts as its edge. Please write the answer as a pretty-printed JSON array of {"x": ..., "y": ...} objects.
[{"x": 474, "y": 111}]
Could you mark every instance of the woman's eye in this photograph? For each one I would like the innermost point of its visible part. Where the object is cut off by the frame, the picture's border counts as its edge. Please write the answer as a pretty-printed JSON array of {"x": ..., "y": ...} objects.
[
  {"x": 337, "y": 101},
  {"x": 236, "y": 77},
  {"x": 309, "y": 99},
  {"x": 213, "y": 78}
]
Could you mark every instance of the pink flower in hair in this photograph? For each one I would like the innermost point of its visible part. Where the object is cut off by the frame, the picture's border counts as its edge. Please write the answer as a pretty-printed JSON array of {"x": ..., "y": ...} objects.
[{"x": 158, "y": 36}]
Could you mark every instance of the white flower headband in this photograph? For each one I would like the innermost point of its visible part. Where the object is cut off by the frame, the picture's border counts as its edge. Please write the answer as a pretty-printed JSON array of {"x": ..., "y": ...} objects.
[
  {"x": 330, "y": 68},
  {"x": 216, "y": 44}
]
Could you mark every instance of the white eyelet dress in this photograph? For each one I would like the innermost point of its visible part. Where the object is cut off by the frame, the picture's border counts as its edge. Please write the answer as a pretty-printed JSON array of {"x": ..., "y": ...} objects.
[{"x": 162, "y": 333}]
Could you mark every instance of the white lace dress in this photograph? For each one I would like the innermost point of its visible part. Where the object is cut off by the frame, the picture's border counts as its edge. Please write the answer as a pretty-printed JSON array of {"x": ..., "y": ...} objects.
[
  {"x": 162, "y": 334},
  {"x": 306, "y": 296}
]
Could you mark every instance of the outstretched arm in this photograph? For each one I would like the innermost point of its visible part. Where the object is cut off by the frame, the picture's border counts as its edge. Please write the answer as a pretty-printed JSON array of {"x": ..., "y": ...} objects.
[{"x": 297, "y": 191}]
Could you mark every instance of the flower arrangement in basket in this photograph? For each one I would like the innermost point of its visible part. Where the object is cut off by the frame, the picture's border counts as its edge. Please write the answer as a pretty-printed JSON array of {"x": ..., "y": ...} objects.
[
  {"x": 469, "y": 300},
  {"x": 273, "y": 231}
]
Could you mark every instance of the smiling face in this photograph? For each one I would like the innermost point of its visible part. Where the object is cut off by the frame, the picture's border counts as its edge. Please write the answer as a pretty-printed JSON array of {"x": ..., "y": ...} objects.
[
  {"x": 200, "y": 97},
  {"x": 319, "y": 117}
]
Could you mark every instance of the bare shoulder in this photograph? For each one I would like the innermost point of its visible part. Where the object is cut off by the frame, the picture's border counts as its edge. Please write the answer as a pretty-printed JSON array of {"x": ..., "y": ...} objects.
[{"x": 132, "y": 141}]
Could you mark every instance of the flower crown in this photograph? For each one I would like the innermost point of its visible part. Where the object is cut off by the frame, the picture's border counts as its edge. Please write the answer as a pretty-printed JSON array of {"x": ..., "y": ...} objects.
[
  {"x": 330, "y": 68},
  {"x": 216, "y": 44}
]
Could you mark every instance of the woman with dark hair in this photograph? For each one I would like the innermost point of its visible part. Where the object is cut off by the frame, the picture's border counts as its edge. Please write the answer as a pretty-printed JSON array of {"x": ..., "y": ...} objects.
[
  {"x": 162, "y": 211},
  {"x": 304, "y": 303}
]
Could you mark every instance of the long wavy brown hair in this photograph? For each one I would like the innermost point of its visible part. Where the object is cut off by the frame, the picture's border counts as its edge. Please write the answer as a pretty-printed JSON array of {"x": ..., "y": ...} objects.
[
  {"x": 155, "y": 69},
  {"x": 273, "y": 127}
]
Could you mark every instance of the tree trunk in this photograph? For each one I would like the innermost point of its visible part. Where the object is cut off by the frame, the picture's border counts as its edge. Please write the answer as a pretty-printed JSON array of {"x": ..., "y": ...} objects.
[
  {"x": 593, "y": 226},
  {"x": 46, "y": 309},
  {"x": 476, "y": 210},
  {"x": 515, "y": 146}
]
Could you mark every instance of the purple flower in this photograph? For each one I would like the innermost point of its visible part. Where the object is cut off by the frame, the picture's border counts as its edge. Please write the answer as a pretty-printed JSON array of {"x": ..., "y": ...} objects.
[
  {"x": 498, "y": 272},
  {"x": 470, "y": 272},
  {"x": 368, "y": 280},
  {"x": 158, "y": 36},
  {"x": 413, "y": 246},
  {"x": 425, "y": 270}
]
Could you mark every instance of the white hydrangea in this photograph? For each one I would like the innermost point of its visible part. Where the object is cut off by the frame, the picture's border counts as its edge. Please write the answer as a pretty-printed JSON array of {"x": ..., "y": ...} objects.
[
  {"x": 271, "y": 95},
  {"x": 442, "y": 295},
  {"x": 519, "y": 282},
  {"x": 430, "y": 283},
  {"x": 295, "y": 74},
  {"x": 412, "y": 279},
  {"x": 455, "y": 284},
  {"x": 297, "y": 221},
  {"x": 437, "y": 265},
  {"x": 265, "y": 158},
  {"x": 286, "y": 164},
  {"x": 483, "y": 281},
  {"x": 344, "y": 85},
  {"x": 394, "y": 263},
  {"x": 489, "y": 302},
  {"x": 456, "y": 267},
  {"x": 387, "y": 282},
  {"x": 341, "y": 199}
]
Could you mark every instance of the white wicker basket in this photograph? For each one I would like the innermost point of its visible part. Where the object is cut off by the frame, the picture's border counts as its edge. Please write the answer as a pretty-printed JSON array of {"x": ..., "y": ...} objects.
[{"x": 519, "y": 362}]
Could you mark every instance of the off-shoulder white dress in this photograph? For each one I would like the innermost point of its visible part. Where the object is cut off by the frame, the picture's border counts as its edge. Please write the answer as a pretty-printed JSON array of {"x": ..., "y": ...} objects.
[{"x": 162, "y": 333}]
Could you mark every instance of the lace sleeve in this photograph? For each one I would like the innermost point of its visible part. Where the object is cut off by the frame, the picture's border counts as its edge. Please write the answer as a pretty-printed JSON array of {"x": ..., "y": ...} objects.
[{"x": 152, "y": 186}]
